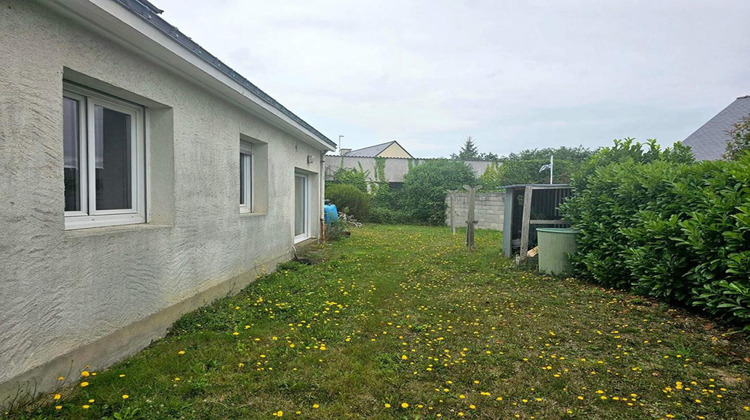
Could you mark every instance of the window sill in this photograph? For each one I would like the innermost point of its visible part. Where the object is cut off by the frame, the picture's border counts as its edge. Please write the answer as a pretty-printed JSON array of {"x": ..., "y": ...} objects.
[
  {"x": 110, "y": 230},
  {"x": 251, "y": 214}
]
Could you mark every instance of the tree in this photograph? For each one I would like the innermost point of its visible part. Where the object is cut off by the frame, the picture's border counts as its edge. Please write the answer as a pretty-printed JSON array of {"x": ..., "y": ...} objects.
[
  {"x": 350, "y": 176},
  {"x": 523, "y": 167},
  {"x": 469, "y": 151},
  {"x": 425, "y": 186},
  {"x": 740, "y": 142}
]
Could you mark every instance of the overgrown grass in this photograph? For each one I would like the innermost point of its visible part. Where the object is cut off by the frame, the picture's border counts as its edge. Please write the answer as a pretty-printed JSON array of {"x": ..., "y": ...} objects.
[{"x": 403, "y": 322}]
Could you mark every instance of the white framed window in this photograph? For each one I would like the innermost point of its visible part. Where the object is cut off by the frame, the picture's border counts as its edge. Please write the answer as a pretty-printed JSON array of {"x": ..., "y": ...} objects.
[
  {"x": 246, "y": 176},
  {"x": 104, "y": 149},
  {"x": 301, "y": 207}
]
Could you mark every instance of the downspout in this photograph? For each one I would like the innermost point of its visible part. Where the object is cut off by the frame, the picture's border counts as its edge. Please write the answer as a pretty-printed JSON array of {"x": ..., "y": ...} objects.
[{"x": 322, "y": 198}]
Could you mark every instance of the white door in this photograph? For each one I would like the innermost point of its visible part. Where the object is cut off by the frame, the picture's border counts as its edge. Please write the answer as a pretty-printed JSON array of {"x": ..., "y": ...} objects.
[{"x": 301, "y": 208}]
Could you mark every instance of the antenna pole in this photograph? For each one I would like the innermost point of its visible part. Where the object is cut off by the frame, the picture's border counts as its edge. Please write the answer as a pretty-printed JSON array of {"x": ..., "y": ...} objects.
[{"x": 551, "y": 167}]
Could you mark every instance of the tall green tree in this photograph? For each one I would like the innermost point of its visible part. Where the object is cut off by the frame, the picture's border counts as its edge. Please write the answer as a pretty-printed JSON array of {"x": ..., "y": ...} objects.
[
  {"x": 523, "y": 167},
  {"x": 425, "y": 186},
  {"x": 469, "y": 151}
]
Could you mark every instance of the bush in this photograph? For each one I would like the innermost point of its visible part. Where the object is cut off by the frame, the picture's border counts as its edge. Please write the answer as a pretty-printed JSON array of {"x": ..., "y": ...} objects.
[
  {"x": 335, "y": 230},
  {"x": 350, "y": 200},
  {"x": 523, "y": 167},
  {"x": 389, "y": 216},
  {"x": 425, "y": 186},
  {"x": 655, "y": 223},
  {"x": 351, "y": 177}
]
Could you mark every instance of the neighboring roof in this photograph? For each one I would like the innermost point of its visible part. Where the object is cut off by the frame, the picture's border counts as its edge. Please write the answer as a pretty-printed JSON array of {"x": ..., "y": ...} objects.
[
  {"x": 710, "y": 141},
  {"x": 373, "y": 151},
  {"x": 148, "y": 12}
]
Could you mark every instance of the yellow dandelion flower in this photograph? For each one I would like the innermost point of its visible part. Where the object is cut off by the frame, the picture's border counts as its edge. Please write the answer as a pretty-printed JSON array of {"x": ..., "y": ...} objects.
[
  {"x": 85, "y": 406},
  {"x": 60, "y": 378},
  {"x": 473, "y": 407},
  {"x": 316, "y": 406},
  {"x": 85, "y": 374},
  {"x": 387, "y": 405},
  {"x": 404, "y": 405},
  {"x": 125, "y": 396},
  {"x": 91, "y": 401},
  {"x": 84, "y": 384},
  {"x": 181, "y": 352},
  {"x": 58, "y": 396},
  {"x": 58, "y": 407}
]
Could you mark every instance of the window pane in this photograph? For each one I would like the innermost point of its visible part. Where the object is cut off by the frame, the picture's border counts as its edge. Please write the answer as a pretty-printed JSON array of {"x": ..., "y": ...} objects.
[
  {"x": 300, "y": 205},
  {"x": 71, "y": 151},
  {"x": 242, "y": 178},
  {"x": 113, "y": 159}
]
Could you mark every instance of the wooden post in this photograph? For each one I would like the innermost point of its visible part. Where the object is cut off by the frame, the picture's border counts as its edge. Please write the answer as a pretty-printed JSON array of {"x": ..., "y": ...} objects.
[
  {"x": 452, "y": 209},
  {"x": 525, "y": 219},
  {"x": 470, "y": 222}
]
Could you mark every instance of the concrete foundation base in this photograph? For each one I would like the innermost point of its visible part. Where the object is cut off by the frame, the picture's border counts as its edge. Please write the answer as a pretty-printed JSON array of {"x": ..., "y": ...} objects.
[{"x": 117, "y": 346}]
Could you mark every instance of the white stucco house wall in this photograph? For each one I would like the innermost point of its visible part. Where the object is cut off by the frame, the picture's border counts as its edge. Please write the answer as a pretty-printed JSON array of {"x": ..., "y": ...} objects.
[{"x": 141, "y": 179}]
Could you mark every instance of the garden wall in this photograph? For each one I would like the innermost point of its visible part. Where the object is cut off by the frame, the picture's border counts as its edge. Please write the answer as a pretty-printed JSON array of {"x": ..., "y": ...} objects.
[{"x": 488, "y": 210}]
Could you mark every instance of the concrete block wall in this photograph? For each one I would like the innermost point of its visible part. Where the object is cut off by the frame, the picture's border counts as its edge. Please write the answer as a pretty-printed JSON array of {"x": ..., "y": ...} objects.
[{"x": 488, "y": 210}]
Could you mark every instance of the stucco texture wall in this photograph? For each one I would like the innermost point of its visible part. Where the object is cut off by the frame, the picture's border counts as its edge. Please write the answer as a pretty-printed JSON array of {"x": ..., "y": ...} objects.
[
  {"x": 60, "y": 290},
  {"x": 488, "y": 210}
]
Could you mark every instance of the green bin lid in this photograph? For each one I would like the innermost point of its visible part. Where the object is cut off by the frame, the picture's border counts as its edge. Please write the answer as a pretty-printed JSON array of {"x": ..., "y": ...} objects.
[{"x": 558, "y": 230}]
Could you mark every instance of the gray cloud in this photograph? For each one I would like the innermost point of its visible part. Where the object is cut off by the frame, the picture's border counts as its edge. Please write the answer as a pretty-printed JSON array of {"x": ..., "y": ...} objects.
[{"x": 512, "y": 74}]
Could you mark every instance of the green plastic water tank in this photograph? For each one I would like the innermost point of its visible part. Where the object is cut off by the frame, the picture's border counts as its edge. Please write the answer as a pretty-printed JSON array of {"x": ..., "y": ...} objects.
[{"x": 554, "y": 246}]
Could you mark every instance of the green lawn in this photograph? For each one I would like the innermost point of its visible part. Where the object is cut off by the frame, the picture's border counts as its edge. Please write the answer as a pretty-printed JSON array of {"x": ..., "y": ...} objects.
[{"x": 403, "y": 322}]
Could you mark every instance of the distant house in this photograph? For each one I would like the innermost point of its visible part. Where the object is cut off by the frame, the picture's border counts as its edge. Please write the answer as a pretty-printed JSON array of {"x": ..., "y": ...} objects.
[
  {"x": 390, "y": 149},
  {"x": 710, "y": 141},
  {"x": 397, "y": 162}
]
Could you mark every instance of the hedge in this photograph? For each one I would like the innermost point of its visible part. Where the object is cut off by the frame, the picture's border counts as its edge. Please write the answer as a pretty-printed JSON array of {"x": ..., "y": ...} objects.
[{"x": 667, "y": 228}]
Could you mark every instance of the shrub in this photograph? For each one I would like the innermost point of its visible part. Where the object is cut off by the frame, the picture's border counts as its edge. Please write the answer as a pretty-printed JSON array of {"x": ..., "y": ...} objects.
[
  {"x": 335, "y": 230},
  {"x": 386, "y": 215},
  {"x": 653, "y": 222},
  {"x": 523, "y": 167},
  {"x": 425, "y": 186},
  {"x": 350, "y": 200},
  {"x": 353, "y": 177}
]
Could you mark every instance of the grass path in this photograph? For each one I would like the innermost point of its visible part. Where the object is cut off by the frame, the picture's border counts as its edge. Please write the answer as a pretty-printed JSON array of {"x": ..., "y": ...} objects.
[{"x": 403, "y": 322}]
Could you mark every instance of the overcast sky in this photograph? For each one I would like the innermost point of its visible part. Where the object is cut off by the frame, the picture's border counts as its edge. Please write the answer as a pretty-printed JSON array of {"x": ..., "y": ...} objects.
[{"x": 512, "y": 74}]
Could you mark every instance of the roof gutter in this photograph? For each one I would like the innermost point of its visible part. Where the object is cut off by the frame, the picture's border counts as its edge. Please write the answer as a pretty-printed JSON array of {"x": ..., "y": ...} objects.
[{"x": 136, "y": 25}]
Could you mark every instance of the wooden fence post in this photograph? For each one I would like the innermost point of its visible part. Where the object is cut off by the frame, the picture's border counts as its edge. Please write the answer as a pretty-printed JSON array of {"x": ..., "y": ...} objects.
[
  {"x": 452, "y": 209},
  {"x": 470, "y": 220},
  {"x": 525, "y": 219}
]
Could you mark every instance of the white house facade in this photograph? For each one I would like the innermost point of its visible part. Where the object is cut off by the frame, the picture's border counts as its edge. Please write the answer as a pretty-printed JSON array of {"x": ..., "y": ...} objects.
[{"x": 141, "y": 178}]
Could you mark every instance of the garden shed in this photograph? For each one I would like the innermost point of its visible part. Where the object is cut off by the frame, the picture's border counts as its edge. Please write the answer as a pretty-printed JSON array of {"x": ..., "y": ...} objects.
[{"x": 528, "y": 207}]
